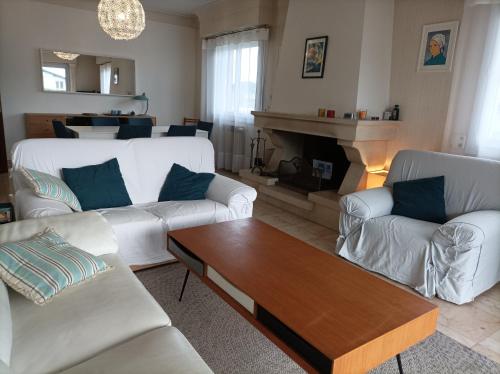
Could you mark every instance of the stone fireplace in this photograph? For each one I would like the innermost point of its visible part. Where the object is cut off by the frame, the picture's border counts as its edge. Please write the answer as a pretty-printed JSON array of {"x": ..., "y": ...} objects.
[{"x": 353, "y": 148}]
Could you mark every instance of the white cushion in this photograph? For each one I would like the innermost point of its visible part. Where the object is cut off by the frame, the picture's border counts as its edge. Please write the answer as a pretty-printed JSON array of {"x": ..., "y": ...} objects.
[
  {"x": 140, "y": 159},
  {"x": 5, "y": 325},
  {"x": 29, "y": 205},
  {"x": 470, "y": 184},
  {"x": 87, "y": 231},
  {"x": 82, "y": 322},
  {"x": 181, "y": 214},
  {"x": 160, "y": 351},
  {"x": 155, "y": 158},
  {"x": 140, "y": 234},
  {"x": 74, "y": 153}
]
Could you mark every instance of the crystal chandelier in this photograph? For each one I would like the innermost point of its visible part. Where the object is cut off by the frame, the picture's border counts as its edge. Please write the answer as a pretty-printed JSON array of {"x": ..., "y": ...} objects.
[
  {"x": 121, "y": 19},
  {"x": 66, "y": 55}
]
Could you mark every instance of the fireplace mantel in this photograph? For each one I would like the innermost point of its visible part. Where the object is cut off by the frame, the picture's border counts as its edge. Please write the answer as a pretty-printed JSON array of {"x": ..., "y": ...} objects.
[
  {"x": 339, "y": 128},
  {"x": 364, "y": 142}
]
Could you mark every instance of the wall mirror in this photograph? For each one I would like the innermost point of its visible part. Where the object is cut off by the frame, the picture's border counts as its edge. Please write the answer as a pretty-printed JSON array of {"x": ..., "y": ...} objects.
[{"x": 70, "y": 72}]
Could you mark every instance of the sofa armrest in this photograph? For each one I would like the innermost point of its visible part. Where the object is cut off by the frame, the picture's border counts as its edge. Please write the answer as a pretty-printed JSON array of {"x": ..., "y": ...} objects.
[
  {"x": 237, "y": 196},
  {"x": 366, "y": 204},
  {"x": 464, "y": 247},
  {"x": 89, "y": 231},
  {"x": 358, "y": 207},
  {"x": 29, "y": 205}
]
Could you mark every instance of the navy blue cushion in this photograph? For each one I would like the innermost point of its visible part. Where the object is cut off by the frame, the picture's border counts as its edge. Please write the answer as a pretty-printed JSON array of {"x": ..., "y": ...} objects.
[
  {"x": 183, "y": 184},
  {"x": 421, "y": 199},
  {"x": 98, "y": 186},
  {"x": 176, "y": 130},
  {"x": 134, "y": 131}
]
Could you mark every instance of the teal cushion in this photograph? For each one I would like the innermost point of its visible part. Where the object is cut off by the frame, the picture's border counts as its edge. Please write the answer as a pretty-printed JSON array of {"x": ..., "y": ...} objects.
[
  {"x": 41, "y": 267},
  {"x": 421, "y": 199},
  {"x": 98, "y": 186},
  {"x": 183, "y": 184},
  {"x": 50, "y": 187}
]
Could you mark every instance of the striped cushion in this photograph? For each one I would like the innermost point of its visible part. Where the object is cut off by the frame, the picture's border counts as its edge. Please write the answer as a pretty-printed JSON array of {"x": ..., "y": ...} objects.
[
  {"x": 41, "y": 267},
  {"x": 50, "y": 187}
]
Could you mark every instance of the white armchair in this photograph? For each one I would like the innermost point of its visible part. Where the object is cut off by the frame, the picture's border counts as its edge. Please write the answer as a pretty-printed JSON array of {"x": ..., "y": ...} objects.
[{"x": 455, "y": 261}]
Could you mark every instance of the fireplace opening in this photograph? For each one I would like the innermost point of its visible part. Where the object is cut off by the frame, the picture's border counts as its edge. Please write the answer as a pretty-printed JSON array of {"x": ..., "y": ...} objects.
[{"x": 322, "y": 166}]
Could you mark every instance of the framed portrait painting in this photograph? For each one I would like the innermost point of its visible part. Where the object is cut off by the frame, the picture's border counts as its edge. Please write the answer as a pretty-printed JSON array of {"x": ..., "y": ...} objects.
[
  {"x": 437, "y": 46},
  {"x": 314, "y": 57}
]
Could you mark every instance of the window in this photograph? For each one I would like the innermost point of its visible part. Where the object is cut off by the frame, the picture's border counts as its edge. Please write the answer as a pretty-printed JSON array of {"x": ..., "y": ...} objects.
[
  {"x": 55, "y": 77},
  {"x": 474, "y": 108},
  {"x": 105, "y": 77},
  {"x": 235, "y": 85},
  {"x": 233, "y": 70}
]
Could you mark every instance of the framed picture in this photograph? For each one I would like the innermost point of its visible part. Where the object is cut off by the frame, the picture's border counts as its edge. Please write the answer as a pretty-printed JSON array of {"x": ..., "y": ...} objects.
[
  {"x": 315, "y": 57},
  {"x": 437, "y": 46}
]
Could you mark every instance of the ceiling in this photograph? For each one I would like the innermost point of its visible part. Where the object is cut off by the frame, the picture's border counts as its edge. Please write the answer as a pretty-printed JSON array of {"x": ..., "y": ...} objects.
[{"x": 186, "y": 7}]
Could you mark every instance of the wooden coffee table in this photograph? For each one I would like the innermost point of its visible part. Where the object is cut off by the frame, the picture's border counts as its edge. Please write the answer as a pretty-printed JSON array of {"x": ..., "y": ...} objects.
[{"x": 326, "y": 314}]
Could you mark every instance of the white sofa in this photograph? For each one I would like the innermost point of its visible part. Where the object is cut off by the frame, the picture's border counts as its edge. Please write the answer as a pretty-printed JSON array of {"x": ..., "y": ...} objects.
[
  {"x": 455, "y": 261},
  {"x": 110, "y": 324},
  {"x": 144, "y": 163}
]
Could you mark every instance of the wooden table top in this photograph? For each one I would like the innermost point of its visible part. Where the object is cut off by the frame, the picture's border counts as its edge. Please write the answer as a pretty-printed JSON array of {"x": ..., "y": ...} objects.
[{"x": 335, "y": 306}]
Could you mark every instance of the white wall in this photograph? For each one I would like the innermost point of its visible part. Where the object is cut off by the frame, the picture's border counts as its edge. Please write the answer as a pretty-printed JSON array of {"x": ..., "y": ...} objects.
[
  {"x": 342, "y": 21},
  {"x": 375, "y": 65},
  {"x": 423, "y": 96},
  {"x": 165, "y": 56}
]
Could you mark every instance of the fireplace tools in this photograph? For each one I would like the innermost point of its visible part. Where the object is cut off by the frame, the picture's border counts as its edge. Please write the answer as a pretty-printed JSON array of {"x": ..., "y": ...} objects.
[{"x": 257, "y": 162}]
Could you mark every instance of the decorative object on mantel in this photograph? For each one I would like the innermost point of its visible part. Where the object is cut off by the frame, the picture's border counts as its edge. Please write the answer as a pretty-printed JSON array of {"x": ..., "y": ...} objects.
[
  {"x": 395, "y": 113},
  {"x": 349, "y": 115},
  {"x": 314, "y": 57},
  {"x": 143, "y": 97},
  {"x": 66, "y": 55},
  {"x": 257, "y": 162},
  {"x": 321, "y": 112},
  {"x": 362, "y": 114},
  {"x": 121, "y": 19},
  {"x": 437, "y": 47},
  {"x": 387, "y": 115},
  {"x": 330, "y": 113}
]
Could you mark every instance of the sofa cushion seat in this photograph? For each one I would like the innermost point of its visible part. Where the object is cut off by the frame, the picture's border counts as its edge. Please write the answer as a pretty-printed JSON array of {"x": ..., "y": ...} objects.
[
  {"x": 83, "y": 322},
  {"x": 140, "y": 234},
  {"x": 163, "y": 350},
  {"x": 181, "y": 214},
  {"x": 397, "y": 247}
]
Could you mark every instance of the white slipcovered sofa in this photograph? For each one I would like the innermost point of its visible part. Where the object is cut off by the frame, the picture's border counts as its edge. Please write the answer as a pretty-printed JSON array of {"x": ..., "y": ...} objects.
[
  {"x": 455, "y": 261},
  {"x": 144, "y": 163},
  {"x": 110, "y": 324}
]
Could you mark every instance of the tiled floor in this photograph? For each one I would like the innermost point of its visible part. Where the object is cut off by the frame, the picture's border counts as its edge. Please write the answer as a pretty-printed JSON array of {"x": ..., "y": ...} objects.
[{"x": 476, "y": 325}]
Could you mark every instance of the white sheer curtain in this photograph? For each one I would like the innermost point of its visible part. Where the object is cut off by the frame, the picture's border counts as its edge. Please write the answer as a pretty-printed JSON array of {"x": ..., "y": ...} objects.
[
  {"x": 475, "y": 96},
  {"x": 105, "y": 72},
  {"x": 232, "y": 86}
]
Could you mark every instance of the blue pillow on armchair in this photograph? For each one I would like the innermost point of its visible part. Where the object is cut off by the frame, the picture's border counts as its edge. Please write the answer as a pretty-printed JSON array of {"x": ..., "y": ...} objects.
[
  {"x": 183, "y": 184},
  {"x": 421, "y": 199},
  {"x": 98, "y": 186}
]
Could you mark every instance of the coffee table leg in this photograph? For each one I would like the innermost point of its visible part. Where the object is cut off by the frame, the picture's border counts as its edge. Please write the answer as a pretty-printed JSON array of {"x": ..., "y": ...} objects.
[
  {"x": 400, "y": 365},
  {"x": 184, "y": 284}
]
